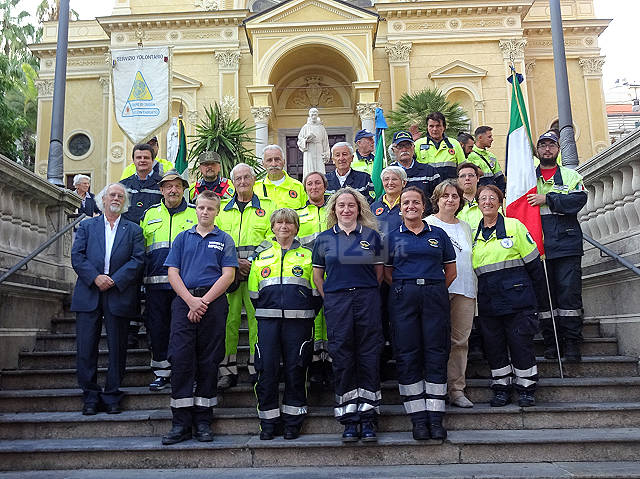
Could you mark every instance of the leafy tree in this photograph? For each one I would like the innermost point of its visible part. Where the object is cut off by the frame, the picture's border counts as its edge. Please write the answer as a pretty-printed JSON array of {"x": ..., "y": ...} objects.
[
  {"x": 15, "y": 36},
  {"x": 413, "y": 110},
  {"x": 48, "y": 10},
  {"x": 11, "y": 124},
  {"x": 23, "y": 101}
]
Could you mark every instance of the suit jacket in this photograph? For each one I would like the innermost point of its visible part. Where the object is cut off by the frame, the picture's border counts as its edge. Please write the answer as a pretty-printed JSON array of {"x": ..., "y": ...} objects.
[
  {"x": 90, "y": 207},
  {"x": 126, "y": 263}
]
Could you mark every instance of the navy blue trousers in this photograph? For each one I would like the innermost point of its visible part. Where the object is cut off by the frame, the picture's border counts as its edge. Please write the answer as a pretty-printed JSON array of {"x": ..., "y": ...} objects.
[
  {"x": 158, "y": 319},
  {"x": 565, "y": 284}
]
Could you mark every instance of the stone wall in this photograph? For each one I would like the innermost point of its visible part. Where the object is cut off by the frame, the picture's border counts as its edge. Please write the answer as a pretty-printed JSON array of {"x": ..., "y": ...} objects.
[
  {"x": 611, "y": 293},
  {"x": 31, "y": 211}
]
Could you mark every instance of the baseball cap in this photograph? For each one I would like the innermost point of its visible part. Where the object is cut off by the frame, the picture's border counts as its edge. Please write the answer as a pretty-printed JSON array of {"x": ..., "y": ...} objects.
[
  {"x": 207, "y": 157},
  {"x": 400, "y": 136},
  {"x": 363, "y": 134},
  {"x": 549, "y": 135}
]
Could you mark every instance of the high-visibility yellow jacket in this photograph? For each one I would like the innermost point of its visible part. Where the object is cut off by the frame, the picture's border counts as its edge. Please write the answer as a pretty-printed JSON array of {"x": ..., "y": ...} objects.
[
  {"x": 288, "y": 194},
  {"x": 313, "y": 221}
]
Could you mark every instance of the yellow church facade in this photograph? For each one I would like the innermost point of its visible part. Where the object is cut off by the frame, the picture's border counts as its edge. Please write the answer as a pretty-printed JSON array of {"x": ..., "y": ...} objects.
[{"x": 268, "y": 62}]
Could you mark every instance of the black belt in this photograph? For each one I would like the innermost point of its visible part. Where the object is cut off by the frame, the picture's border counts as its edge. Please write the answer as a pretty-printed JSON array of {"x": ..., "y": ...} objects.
[
  {"x": 199, "y": 292},
  {"x": 420, "y": 281}
]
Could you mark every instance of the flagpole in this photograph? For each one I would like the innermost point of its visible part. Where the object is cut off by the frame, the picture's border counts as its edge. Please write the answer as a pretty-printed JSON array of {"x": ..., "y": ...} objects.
[{"x": 553, "y": 318}]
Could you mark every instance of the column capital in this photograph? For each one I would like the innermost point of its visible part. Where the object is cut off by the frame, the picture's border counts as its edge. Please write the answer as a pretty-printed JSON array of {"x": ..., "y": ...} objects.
[
  {"x": 367, "y": 111},
  {"x": 398, "y": 52},
  {"x": 228, "y": 60},
  {"x": 105, "y": 83},
  {"x": 261, "y": 114},
  {"x": 591, "y": 66},
  {"x": 45, "y": 88},
  {"x": 192, "y": 116},
  {"x": 529, "y": 67},
  {"x": 229, "y": 106},
  {"x": 512, "y": 48}
]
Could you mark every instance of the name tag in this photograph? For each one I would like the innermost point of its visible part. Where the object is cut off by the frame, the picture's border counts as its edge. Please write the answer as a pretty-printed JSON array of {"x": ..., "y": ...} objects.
[{"x": 216, "y": 244}]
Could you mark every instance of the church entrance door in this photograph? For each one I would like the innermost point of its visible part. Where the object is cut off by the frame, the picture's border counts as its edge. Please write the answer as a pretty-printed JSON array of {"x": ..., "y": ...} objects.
[{"x": 294, "y": 155}]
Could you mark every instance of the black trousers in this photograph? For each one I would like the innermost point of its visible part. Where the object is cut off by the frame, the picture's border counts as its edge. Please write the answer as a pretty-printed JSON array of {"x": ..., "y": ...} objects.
[
  {"x": 158, "y": 323},
  {"x": 509, "y": 348},
  {"x": 88, "y": 330},
  {"x": 354, "y": 331},
  {"x": 565, "y": 284},
  {"x": 421, "y": 326},
  {"x": 195, "y": 351},
  {"x": 291, "y": 340}
]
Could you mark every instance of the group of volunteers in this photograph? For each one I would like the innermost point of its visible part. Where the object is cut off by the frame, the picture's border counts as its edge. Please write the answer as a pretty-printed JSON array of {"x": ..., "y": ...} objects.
[{"x": 330, "y": 277}]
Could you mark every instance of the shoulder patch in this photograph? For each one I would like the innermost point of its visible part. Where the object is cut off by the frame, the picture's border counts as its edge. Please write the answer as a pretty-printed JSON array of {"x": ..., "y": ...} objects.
[
  {"x": 530, "y": 238},
  {"x": 293, "y": 193}
]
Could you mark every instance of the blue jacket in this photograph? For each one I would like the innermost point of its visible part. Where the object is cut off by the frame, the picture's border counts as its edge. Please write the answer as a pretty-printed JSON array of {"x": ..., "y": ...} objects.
[
  {"x": 142, "y": 193},
  {"x": 127, "y": 260},
  {"x": 358, "y": 180},
  {"x": 90, "y": 207}
]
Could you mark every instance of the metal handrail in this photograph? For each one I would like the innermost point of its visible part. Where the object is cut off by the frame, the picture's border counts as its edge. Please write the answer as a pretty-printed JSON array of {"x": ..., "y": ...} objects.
[
  {"x": 42, "y": 247},
  {"x": 615, "y": 256}
]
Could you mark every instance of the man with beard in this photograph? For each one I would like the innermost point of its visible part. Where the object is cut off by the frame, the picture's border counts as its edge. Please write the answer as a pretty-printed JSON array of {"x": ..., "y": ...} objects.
[
  {"x": 210, "y": 164},
  {"x": 313, "y": 142},
  {"x": 284, "y": 191},
  {"x": 561, "y": 195}
]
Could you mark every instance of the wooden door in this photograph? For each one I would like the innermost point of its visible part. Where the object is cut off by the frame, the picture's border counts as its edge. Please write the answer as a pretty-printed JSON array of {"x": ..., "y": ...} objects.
[{"x": 294, "y": 155}]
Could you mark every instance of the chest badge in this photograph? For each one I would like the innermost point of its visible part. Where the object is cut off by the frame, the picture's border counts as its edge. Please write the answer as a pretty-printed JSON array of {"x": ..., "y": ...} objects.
[
  {"x": 297, "y": 271},
  {"x": 139, "y": 204},
  {"x": 260, "y": 212},
  {"x": 293, "y": 193},
  {"x": 433, "y": 242},
  {"x": 506, "y": 243},
  {"x": 230, "y": 191},
  {"x": 266, "y": 271},
  {"x": 379, "y": 211},
  {"x": 452, "y": 152},
  {"x": 365, "y": 244}
]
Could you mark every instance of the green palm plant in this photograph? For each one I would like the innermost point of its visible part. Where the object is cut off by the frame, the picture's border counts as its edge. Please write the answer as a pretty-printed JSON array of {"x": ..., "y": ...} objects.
[
  {"x": 227, "y": 137},
  {"x": 413, "y": 110}
]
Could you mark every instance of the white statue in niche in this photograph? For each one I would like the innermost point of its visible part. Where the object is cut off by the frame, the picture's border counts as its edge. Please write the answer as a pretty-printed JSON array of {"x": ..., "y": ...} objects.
[{"x": 313, "y": 142}]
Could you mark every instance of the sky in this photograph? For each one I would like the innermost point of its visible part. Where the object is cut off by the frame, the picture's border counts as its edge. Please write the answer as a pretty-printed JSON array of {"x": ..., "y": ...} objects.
[{"x": 615, "y": 42}]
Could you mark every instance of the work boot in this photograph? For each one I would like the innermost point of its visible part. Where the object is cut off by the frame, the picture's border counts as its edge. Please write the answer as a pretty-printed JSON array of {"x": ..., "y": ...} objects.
[
  {"x": 526, "y": 399},
  {"x": 436, "y": 429},
  {"x": 351, "y": 433},
  {"x": 227, "y": 381},
  {"x": 368, "y": 433},
  {"x": 550, "y": 352},
  {"x": 267, "y": 432},
  {"x": 203, "y": 432},
  {"x": 291, "y": 432},
  {"x": 176, "y": 435},
  {"x": 421, "y": 431},
  {"x": 572, "y": 351},
  {"x": 500, "y": 398}
]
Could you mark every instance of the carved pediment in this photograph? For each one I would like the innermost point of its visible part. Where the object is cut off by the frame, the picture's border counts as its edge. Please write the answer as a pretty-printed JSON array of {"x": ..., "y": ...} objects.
[
  {"x": 183, "y": 81},
  {"x": 310, "y": 11},
  {"x": 458, "y": 69}
]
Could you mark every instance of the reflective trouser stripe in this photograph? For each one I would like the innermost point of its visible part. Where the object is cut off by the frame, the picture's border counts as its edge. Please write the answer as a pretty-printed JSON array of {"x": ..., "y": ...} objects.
[
  {"x": 294, "y": 410},
  {"x": 270, "y": 414},
  {"x": 348, "y": 409},
  {"x": 182, "y": 402},
  {"x": 501, "y": 382},
  {"x": 525, "y": 383},
  {"x": 365, "y": 406},
  {"x": 417, "y": 405},
  {"x": 411, "y": 389},
  {"x": 501, "y": 371},
  {"x": 567, "y": 312},
  {"x": 369, "y": 395},
  {"x": 346, "y": 397},
  {"x": 156, "y": 279},
  {"x": 435, "y": 389},
  {"x": 228, "y": 366},
  {"x": 435, "y": 405},
  {"x": 160, "y": 364},
  {"x": 205, "y": 402},
  {"x": 544, "y": 315},
  {"x": 162, "y": 373},
  {"x": 525, "y": 373},
  {"x": 251, "y": 364}
]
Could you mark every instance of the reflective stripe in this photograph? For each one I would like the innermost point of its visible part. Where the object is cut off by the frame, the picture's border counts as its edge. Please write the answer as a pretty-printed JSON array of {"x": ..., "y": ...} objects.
[
  {"x": 417, "y": 405},
  {"x": 524, "y": 382},
  {"x": 348, "y": 409},
  {"x": 158, "y": 245},
  {"x": 269, "y": 313},
  {"x": 270, "y": 414},
  {"x": 501, "y": 382},
  {"x": 435, "y": 389},
  {"x": 182, "y": 402},
  {"x": 228, "y": 370},
  {"x": 544, "y": 210},
  {"x": 525, "y": 373},
  {"x": 245, "y": 251},
  {"x": 567, "y": 312},
  {"x": 162, "y": 373},
  {"x": 160, "y": 364},
  {"x": 285, "y": 280},
  {"x": 294, "y": 410},
  {"x": 156, "y": 279},
  {"x": 502, "y": 371},
  {"x": 308, "y": 239},
  {"x": 287, "y": 313},
  {"x": 422, "y": 178},
  {"x": 315, "y": 292},
  {"x": 144, "y": 190},
  {"x": 369, "y": 395},
  {"x": 531, "y": 256},
  {"x": 254, "y": 294},
  {"x": 346, "y": 397},
  {"x": 411, "y": 389},
  {"x": 205, "y": 402},
  {"x": 365, "y": 406},
  {"x": 443, "y": 164},
  {"x": 544, "y": 315},
  {"x": 435, "y": 405},
  {"x": 269, "y": 282},
  {"x": 510, "y": 263},
  {"x": 251, "y": 368}
]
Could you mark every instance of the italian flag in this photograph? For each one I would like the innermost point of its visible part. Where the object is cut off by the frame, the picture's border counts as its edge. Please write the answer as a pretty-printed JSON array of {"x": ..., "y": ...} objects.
[
  {"x": 521, "y": 172},
  {"x": 181, "y": 157}
]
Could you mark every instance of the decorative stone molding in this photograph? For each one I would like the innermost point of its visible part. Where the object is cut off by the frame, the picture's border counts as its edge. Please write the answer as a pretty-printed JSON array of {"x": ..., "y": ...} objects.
[
  {"x": 529, "y": 67},
  {"x": 229, "y": 106},
  {"x": 228, "y": 59},
  {"x": 313, "y": 94},
  {"x": 45, "y": 88},
  {"x": 513, "y": 48},
  {"x": 479, "y": 105},
  {"x": 398, "y": 51},
  {"x": 105, "y": 83},
  {"x": 208, "y": 5},
  {"x": 192, "y": 116},
  {"x": 591, "y": 66},
  {"x": 261, "y": 114},
  {"x": 367, "y": 111},
  {"x": 117, "y": 153}
]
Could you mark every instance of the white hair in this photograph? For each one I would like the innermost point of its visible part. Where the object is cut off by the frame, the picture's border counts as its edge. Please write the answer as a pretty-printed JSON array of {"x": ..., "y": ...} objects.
[
  {"x": 340, "y": 144},
  {"x": 80, "y": 178},
  {"x": 272, "y": 147},
  {"x": 100, "y": 197},
  {"x": 235, "y": 169},
  {"x": 396, "y": 170}
]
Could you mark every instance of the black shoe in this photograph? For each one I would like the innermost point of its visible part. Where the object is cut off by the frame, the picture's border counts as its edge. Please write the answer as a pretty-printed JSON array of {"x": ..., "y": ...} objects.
[
  {"x": 500, "y": 398},
  {"x": 421, "y": 432},
  {"x": 159, "y": 384},
  {"x": 203, "y": 433},
  {"x": 226, "y": 382},
  {"x": 550, "y": 352},
  {"x": 89, "y": 410},
  {"x": 368, "y": 433},
  {"x": 291, "y": 432},
  {"x": 526, "y": 399},
  {"x": 437, "y": 430},
  {"x": 351, "y": 433},
  {"x": 572, "y": 351},
  {"x": 112, "y": 408},
  {"x": 267, "y": 432},
  {"x": 176, "y": 435}
]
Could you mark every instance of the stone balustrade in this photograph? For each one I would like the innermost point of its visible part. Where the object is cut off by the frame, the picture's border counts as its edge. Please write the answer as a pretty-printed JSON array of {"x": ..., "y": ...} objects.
[{"x": 31, "y": 211}]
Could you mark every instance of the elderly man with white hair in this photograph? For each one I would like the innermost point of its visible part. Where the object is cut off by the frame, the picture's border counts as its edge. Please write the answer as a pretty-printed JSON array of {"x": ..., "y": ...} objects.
[
  {"x": 343, "y": 176},
  {"x": 245, "y": 217},
  {"x": 279, "y": 187},
  {"x": 107, "y": 255},
  {"x": 82, "y": 183}
]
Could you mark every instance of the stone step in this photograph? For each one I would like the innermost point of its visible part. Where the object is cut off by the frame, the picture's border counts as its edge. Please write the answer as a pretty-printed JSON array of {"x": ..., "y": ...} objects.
[
  {"x": 227, "y": 421},
  {"x": 48, "y": 342},
  {"x": 518, "y": 470},
  {"x": 393, "y": 448},
  {"x": 142, "y": 356},
  {"x": 550, "y": 390}
]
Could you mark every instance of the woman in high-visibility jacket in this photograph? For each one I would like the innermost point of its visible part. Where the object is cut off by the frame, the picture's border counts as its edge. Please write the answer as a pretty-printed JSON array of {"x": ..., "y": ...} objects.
[
  {"x": 511, "y": 291},
  {"x": 286, "y": 301}
]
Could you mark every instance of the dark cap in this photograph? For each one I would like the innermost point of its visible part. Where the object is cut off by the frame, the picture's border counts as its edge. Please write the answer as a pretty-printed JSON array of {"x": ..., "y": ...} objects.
[
  {"x": 208, "y": 157},
  {"x": 173, "y": 175},
  {"x": 549, "y": 135},
  {"x": 363, "y": 134},
  {"x": 400, "y": 136}
]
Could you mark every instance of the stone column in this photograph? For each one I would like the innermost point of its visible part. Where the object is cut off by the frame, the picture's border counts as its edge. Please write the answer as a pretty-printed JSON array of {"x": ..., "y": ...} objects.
[
  {"x": 228, "y": 66},
  {"x": 513, "y": 54},
  {"x": 398, "y": 53},
  {"x": 598, "y": 128},
  {"x": 367, "y": 113},
  {"x": 261, "y": 116},
  {"x": 529, "y": 75},
  {"x": 45, "y": 98}
]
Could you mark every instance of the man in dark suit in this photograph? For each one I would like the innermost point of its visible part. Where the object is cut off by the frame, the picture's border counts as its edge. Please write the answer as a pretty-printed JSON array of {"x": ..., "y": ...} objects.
[{"x": 107, "y": 255}]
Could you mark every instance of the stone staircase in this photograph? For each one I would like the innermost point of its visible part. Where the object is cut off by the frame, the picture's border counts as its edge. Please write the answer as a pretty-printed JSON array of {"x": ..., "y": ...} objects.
[{"x": 590, "y": 417}]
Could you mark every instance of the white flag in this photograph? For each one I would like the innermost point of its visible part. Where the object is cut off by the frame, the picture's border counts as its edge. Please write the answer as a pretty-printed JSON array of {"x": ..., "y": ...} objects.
[{"x": 141, "y": 90}]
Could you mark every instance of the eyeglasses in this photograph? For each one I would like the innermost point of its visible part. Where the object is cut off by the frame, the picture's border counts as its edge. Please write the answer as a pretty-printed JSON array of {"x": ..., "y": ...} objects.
[
  {"x": 548, "y": 146},
  {"x": 492, "y": 199},
  {"x": 468, "y": 175}
]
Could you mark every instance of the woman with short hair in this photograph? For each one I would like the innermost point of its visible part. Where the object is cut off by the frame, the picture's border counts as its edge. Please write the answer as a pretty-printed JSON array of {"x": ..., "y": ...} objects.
[{"x": 82, "y": 183}]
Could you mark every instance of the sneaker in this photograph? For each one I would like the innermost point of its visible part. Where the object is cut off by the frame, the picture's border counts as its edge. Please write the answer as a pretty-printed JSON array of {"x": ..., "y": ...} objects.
[
  {"x": 368, "y": 433},
  {"x": 526, "y": 399},
  {"x": 351, "y": 433},
  {"x": 500, "y": 398},
  {"x": 159, "y": 384},
  {"x": 461, "y": 401}
]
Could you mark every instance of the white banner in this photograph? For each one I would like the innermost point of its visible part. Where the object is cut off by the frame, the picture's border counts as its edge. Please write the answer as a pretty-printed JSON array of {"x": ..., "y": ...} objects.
[{"x": 141, "y": 90}]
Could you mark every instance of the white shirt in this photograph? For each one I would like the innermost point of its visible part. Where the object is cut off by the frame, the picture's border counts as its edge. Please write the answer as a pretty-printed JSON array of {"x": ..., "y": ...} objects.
[
  {"x": 460, "y": 235},
  {"x": 109, "y": 236},
  {"x": 342, "y": 179},
  {"x": 279, "y": 182}
]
